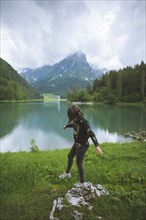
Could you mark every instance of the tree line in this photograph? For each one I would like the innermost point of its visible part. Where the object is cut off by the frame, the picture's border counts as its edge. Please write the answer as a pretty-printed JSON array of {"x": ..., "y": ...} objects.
[
  {"x": 125, "y": 85},
  {"x": 12, "y": 86}
]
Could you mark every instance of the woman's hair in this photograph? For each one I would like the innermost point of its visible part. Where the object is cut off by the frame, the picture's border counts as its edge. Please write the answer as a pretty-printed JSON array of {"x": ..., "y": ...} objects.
[{"x": 74, "y": 112}]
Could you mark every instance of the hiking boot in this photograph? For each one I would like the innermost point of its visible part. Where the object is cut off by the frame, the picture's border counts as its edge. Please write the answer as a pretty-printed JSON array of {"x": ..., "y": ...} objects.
[{"x": 65, "y": 175}]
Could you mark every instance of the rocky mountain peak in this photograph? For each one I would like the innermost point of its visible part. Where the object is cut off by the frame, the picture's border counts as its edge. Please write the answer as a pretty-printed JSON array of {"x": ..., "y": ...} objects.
[{"x": 79, "y": 55}]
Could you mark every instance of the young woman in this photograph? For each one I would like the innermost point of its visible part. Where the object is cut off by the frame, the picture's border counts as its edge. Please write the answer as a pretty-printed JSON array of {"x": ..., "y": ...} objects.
[{"x": 82, "y": 132}]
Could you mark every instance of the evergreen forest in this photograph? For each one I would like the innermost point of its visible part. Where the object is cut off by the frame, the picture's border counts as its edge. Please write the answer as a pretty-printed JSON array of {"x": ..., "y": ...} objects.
[
  {"x": 125, "y": 85},
  {"x": 13, "y": 86}
]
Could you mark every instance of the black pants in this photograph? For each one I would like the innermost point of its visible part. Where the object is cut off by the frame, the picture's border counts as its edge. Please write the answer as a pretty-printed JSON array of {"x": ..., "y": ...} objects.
[{"x": 78, "y": 151}]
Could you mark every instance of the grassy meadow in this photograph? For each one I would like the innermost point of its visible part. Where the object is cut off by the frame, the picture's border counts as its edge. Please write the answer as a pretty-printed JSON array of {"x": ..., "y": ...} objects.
[{"x": 30, "y": 183}]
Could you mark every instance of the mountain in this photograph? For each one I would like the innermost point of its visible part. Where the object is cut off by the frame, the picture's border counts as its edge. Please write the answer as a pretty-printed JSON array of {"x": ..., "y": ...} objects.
[
  {"x": 96, "y": 71},
  {"x": 74, "y": 69},
  {"x": 13, "y": 86},
  {"x": 34, "y": 75}
]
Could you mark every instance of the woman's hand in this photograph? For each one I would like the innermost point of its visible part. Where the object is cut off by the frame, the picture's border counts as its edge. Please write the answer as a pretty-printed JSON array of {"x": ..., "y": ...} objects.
[{"x": 99, "y": 151}]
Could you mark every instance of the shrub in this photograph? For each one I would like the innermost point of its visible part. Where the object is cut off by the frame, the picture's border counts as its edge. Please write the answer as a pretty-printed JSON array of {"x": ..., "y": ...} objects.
[{"x": 34, "y": 148}]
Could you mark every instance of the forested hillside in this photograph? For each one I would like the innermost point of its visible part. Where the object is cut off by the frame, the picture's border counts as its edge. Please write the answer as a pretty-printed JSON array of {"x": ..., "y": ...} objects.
[
  {"x": 13, "y": 86},
  {"x": 124, "y": 85}
]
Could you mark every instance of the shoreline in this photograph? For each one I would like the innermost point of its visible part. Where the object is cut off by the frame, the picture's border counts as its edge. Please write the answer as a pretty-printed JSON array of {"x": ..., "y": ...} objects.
[
  {"x": 139, "y": 104},
  {"x": 142, "y": 104},
  {"x": 135, "y": 140}
]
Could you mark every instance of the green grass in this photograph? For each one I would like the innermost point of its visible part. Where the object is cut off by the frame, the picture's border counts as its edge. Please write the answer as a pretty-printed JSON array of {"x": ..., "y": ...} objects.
[{"x": 30, "y": 183}]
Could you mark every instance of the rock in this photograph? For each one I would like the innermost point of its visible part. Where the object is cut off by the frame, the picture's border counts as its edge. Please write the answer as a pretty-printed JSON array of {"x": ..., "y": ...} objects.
[
  {"x": 79, "y": 195},
  {"x": 139, "y": 136},
  {"x": 77, "y": 215},
  {"x": 53, "y": 210}
]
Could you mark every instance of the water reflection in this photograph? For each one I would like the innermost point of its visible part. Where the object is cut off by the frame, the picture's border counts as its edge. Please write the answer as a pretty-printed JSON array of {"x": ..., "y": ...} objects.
[
  {"x": 105, "y": 136},
  {"x": 20, "y": 140},
  {"x": 44, "y": 122},
  {"x": 116, "y": 119}
]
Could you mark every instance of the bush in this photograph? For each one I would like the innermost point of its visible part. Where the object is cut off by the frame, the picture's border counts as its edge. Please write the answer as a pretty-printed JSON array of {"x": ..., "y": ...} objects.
[
  {"x": 110, "y": 100},
  {"x": 34, "y": 148}
]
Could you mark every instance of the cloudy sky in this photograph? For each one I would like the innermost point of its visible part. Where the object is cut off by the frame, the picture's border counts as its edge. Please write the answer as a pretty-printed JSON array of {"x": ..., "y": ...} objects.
[{"x": 39, "y": 32}]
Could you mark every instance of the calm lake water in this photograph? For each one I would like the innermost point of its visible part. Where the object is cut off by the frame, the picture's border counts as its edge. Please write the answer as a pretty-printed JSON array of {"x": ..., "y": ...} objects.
[{"x": 44, "y": 122}]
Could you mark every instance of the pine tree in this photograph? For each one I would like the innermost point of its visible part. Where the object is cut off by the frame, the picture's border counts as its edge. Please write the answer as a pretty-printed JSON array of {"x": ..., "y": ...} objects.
[
  {"x": 119, "y": 86},
  {"x": 69, "y": 94},
  {"x": 108, "y": 86},
  {"x": 142, "y": 84},
  {"x": 75, "y": 90}
]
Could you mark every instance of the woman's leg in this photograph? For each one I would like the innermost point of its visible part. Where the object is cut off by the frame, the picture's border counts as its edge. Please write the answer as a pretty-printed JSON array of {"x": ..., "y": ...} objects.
[
  {"x": 71, "y": 155},
  {"x": 80, "y": 153}
]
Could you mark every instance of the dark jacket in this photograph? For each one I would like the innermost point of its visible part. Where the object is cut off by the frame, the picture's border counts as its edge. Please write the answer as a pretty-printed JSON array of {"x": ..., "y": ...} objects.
[{"x": 82, "y": 131}]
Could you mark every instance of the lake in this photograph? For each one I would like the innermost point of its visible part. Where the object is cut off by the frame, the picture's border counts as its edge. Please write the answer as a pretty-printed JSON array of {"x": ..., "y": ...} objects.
[{"x": 21, "y": 122}]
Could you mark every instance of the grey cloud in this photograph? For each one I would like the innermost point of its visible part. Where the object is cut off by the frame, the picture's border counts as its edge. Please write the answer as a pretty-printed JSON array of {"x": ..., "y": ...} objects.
[
  {"x": 63, "y": 7},
  {"x": 35, "y": 33},
  {"x": 129, "y": 25}
]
